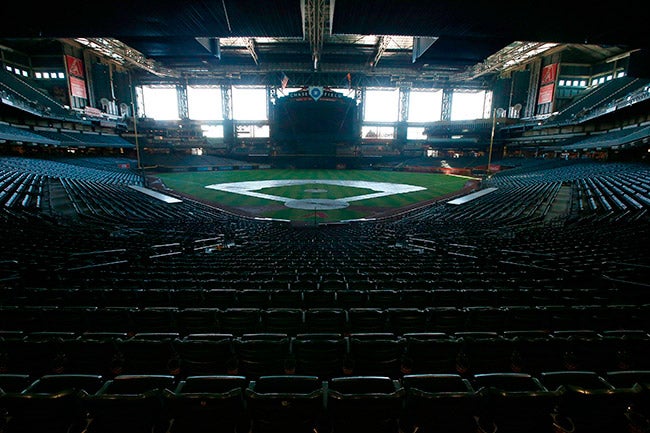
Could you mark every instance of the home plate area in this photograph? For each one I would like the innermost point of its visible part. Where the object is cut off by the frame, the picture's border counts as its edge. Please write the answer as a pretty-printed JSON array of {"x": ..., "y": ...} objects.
[
  {"x": 317, "y": 204},
  {"x": 253, "y": 188}
]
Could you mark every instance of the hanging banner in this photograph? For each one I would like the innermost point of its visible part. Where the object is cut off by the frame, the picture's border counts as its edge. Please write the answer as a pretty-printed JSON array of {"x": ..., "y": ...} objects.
[
  {"x": 75, "y": 66},
  {"x": 549, "y": 74},
  {"x": 77, "y": 87},
  {"x": 76, "y": 82},
  {"x": 546, "y": 93}
]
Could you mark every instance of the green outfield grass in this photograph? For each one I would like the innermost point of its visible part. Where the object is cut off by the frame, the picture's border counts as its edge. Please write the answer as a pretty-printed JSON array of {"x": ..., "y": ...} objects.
[{"x": 194, "y": 184}]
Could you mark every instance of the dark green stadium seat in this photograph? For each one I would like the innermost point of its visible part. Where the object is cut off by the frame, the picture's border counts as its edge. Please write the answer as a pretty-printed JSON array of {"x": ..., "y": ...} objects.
[
  {"x": 204, "y": 404},
  {"x": 287, "y": 403},
  {"x": 438, "y": 403},
  {"x": 364, "y": 403}
]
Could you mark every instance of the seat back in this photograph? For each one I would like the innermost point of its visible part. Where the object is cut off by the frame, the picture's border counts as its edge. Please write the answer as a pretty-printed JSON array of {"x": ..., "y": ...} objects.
[
  {"x": 287, "y": 403},
  {"x": 514, "y": 402},
  {"x": 261, "y": 356},
  {"x": 431, "y": 353},
  {"x": 208, "y": 403},
  {"x": 438, "y": 402},
  {"x": 589, "y": 401},
  {"x": 51, "y": 403},
  {"x": 200, "y": 357},
  {"x": 319, "y": 356},
  {"x": 364, "y": 403},
  {"x": 129, "y": 404},
  {"x": 379, "y": 354}
]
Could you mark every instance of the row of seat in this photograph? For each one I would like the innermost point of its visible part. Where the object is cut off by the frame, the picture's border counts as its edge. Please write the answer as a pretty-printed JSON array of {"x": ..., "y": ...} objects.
[
  {"x": 276, "y": 294},
  {"x": 560, "y": 401},
  {"x": 292, "y": 321},
  {"x": 323, "y": 354}
]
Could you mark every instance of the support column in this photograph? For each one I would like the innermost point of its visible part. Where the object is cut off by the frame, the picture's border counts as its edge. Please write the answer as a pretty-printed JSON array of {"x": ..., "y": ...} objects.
[
  {"x": 447, "y": 98},
  {"x": 183, "y": 109}
]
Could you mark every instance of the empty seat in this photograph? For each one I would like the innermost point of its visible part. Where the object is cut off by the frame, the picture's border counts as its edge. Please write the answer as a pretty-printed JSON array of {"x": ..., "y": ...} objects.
[
  {"x": 19, "y": 318},
  {"x": 321, "y": 355},
  {"x": 325, "y": 298},
  {"x": 523, "y": 317},
  {"x": 405, "y": 320},
  {"x": 65, "y": 318},
  {"x": 364, "y": 403},
  {"x": 448, "y": 319},
  {"x": 535, "y": 353},
  {"x": 287, "y": 403},
  {"x": 638, "y": 383},
  {"x": 111, "y": 319},
  {"x": 253, "y": 298},
  {"x": 197, "y": 321},
  {"x": 588, "y": 350},
  {"x": 51, "y": 403},
  {"x": 205, "y": 404},
  {"x": 286, "y": 298},
  {"x": 587, "y": 402},
  {"x": 128, "y": 404},
  {"x": 284, "y": 320},
  {"x": 632, "y": 349},
  {"x": 219, "y": 298},
  {"x": 238, "y": 321},
  {"x": 326, "y": 320},
  {"x": 486, "y": 353},
  {"x": 91, "y": 355},
  {"x": 144, "y": 356},
  {"x": 627, "y": 378},
  {"x": 486, "y": 318},
  {"x": 416, "y": 298},
  {"x": 35, "y": 355},
  {"x": 383, "y": 299},
  {"x": 375, "y": 355},
  {"x": 154, "y": 319},
  {"x": 351, "y": 298},
  {"x": 258, "y": 356},
  {"x": 207, "y": 356},
  {"x": 155, "y": 298},
  {"x": 438, "y": 403},
  {"x": 187, "y": 298},
  {"x": 514, "y": 402},
  {"x": 432, "y": 353},
  {"x": 366, "y": 320},
  {"x": 14, "y": 382}
]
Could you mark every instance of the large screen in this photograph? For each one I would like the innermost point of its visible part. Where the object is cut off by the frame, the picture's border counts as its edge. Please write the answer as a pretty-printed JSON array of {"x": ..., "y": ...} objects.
[{"x": 315, "y": 114}]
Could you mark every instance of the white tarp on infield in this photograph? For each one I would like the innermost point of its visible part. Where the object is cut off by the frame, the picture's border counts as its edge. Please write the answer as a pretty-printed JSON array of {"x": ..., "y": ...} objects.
[{"x": 252, "y": 188}]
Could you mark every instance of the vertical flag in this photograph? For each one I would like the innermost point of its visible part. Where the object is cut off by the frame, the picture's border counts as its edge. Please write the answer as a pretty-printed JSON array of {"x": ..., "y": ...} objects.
[
  {"x": 349, "y": 77},
  {"x": 285, "y": 81}
]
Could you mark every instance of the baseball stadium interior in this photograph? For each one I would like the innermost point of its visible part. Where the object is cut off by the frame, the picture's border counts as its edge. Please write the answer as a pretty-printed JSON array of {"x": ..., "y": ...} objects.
[{"x": 324, "y": 216}]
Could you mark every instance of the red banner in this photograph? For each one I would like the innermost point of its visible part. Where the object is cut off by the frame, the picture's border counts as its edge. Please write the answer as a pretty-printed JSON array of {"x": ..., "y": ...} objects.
[
  {"x": 546, "y": 93},
  {"x": 549, "y": 74},
  {"x": 75, "y": 66},
  {"x": 78, "y": 87}
]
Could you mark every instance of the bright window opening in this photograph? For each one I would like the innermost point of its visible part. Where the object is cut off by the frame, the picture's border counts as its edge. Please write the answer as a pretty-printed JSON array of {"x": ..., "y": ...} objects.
[
  {"x": 212, "y": 131},
  {"x": 249, "y": 103},
  {"x": 377, "y": 132},
  {"x": 468, "y": 105},
  {"x": 381, "y": 105},
  {"x": 160, "y": 103},
  {"x": 425, "y": 106},
  {"x": 252, "y": 131},
  {"x": 415, "y": 133},
  {"x": 204, "y": 103}
]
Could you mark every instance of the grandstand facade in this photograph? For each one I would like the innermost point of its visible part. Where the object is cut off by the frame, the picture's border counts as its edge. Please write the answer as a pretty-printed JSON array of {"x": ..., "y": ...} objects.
[{"x": 518, "y": 302}]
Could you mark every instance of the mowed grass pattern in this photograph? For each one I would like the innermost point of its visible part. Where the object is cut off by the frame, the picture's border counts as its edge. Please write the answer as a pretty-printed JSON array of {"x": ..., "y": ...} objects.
[{"x": 194, "y": 184}]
